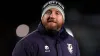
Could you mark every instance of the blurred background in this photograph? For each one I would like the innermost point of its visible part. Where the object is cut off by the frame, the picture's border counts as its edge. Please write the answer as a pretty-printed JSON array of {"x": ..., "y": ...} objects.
[{"x": 19, "y": 18}]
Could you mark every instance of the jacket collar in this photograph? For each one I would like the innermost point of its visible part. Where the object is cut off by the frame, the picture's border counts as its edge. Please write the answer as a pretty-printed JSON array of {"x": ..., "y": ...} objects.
[{"x": 58, "y": 35}]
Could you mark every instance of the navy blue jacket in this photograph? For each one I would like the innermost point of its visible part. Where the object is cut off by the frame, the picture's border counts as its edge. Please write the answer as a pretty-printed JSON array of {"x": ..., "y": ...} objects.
[{"x": 47, "y": 43}]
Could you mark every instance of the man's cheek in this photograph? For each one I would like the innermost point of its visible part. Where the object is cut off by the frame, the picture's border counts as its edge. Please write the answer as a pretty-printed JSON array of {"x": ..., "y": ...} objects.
[
  {"x": 46, "y": 16},
  {"x": 59, "y": 23}
]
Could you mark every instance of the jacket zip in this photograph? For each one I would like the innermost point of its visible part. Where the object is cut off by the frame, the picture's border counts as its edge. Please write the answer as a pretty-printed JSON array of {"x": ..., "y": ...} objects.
[{"x": 56, "y": 47}]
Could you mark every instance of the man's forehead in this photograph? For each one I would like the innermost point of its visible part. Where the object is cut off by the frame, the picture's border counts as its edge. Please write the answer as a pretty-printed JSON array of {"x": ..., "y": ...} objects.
[{"x": 53, "y": 9}]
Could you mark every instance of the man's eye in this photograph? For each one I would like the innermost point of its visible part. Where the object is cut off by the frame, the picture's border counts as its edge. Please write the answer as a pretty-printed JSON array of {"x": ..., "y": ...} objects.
[
  {"x": 48, "y": 12},
  {"x": 58, "y": 13}
]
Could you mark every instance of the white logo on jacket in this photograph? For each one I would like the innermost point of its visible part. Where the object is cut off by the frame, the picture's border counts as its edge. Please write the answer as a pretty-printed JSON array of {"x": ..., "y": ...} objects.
[
  {"x": 70, "y": 48},
  {"x": 47, "y": 48}
]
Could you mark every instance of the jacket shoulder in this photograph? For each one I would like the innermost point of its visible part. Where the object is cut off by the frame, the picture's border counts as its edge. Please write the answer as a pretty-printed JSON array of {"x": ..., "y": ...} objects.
[{"x": 24, "y": 47}]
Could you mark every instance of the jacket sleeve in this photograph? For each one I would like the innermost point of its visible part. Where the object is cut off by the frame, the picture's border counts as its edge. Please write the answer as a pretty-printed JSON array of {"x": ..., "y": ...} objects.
[
  {"x": 77, "y": 49},
  {"x": 24, "y": 48}
]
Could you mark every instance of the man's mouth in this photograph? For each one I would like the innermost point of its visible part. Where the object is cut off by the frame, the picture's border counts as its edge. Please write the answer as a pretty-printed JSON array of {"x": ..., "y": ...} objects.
[{"x": 51, "y": 20}]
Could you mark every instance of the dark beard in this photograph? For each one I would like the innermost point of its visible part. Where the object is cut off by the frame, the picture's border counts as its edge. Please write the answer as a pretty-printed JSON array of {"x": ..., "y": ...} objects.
[
  {"x": 48, "y": 27},
  {"x": 51, "y": 32}
]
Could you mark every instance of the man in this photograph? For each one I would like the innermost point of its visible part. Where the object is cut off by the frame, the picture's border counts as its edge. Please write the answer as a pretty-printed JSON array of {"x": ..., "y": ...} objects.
[{"x": 50, "y": 38}]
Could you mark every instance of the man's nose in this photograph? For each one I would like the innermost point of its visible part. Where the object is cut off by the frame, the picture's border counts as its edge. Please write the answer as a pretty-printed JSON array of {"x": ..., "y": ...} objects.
[{"x": 52, "y": 15}]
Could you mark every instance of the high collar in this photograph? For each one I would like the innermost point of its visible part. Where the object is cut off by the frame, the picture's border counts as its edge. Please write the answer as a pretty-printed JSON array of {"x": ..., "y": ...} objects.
[{"x": 58, "y": 35}]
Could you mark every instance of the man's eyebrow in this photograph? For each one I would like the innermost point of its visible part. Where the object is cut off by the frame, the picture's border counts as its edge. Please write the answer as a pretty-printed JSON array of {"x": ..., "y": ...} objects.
[
  {"x": 58, "y": 11},
  {"x": 49, "y": 10}
]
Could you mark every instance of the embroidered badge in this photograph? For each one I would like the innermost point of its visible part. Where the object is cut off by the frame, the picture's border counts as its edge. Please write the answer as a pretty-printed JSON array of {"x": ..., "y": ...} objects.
[
  {"x": 70, "y": 48},
  {"x": 47, "y": 48}
]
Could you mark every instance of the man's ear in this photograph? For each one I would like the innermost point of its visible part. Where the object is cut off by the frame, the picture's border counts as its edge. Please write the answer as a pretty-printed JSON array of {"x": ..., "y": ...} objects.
[{"x": 41, "y": 17}]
